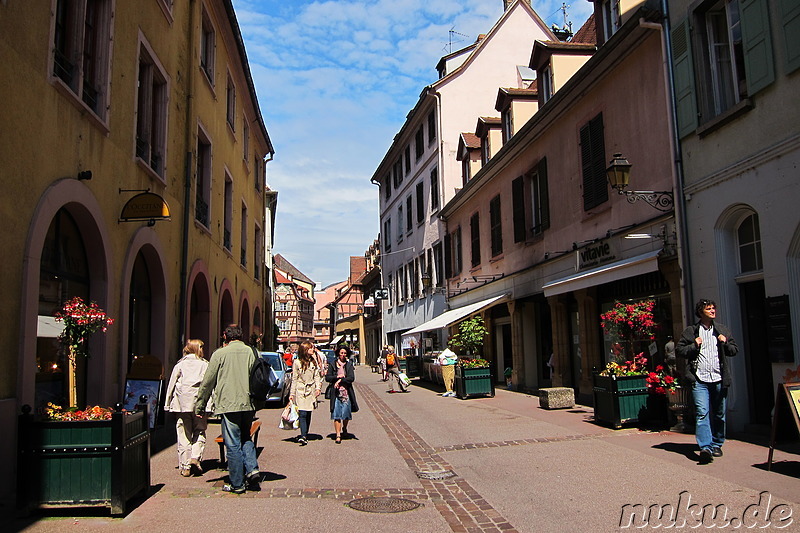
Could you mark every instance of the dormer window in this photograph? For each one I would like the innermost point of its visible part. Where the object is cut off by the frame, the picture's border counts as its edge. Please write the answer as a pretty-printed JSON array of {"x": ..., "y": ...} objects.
[
  {"x": 546, "y": 86},
  {"x": 609, "y": 11}
]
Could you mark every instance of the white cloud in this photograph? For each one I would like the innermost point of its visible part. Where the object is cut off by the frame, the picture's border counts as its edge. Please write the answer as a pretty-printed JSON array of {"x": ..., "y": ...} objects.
[{"x": 335, "y": 80}]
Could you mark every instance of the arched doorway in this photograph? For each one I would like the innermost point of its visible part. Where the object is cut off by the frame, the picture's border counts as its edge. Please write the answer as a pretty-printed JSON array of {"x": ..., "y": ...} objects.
[
  {"x": 225, "y": 311},
  {"x": 63, "y": 274},
  {"x": 140, "y": 310},
  {"x": 244, "y": 319},
  {"x": 199, "y": 320}
]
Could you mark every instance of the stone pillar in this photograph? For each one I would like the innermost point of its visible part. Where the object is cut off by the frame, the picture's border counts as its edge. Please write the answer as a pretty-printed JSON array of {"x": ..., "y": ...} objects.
[
  {"x": 517, "y": 346},
  {"x": 561, "y": 342},
  {"x": 589, "y": 328}
]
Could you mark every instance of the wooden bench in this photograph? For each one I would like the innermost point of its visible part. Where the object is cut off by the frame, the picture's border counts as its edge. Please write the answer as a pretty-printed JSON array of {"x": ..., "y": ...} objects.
[{"x": 255, "y": 427}]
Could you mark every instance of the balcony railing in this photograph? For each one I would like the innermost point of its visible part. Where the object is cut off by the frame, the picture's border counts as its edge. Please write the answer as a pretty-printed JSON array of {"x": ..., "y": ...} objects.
[
  {"x": 243, "y": 257},
  {"x": 226, "y": 239},
  {"x": 201, "y": 210}
]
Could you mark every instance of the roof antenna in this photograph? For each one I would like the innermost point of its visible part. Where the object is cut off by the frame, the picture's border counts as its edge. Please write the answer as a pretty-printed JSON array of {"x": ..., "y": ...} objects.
[
  {"x": 451, "y": 42},
  {"x": 565, "y": 32}
]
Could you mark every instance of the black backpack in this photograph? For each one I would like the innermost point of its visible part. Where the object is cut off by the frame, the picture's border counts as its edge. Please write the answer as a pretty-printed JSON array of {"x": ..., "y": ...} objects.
[{"x": 263, "y": 380}]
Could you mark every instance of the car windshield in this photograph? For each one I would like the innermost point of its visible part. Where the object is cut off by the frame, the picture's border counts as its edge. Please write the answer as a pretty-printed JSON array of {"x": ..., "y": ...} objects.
[{"x": 274, "y": 360}]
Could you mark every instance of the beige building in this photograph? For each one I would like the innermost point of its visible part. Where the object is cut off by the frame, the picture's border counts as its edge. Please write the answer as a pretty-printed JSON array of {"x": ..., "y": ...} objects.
[{"x": 109, "y": 100}]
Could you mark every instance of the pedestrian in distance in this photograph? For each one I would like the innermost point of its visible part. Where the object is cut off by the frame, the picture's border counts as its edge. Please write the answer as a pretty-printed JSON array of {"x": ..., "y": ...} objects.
[
  {"x": 228, "y": 376},
  {"x": 706, "y": 345},
  {"x": 340, "y": 392},
  {"x": 447, "y": 361},
  {"x": 382, "y": 362},
  {"x": 306, "y": 385},
  {"x": 393, "y": 370},
  {"x": 182, "y": 389}
]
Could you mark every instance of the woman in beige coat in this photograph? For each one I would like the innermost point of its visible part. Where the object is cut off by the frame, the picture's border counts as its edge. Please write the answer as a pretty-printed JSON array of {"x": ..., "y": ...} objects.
[
  {"x": 180, "y": 399},
  {"x": 306, "y": 383}
]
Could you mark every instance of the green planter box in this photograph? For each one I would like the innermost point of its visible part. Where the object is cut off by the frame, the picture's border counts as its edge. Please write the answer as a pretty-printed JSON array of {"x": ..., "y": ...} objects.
[
  {"x": 619, "y": 399},
  {"x": 83, "y": 464},
  {"x": 473, "y": 381}
]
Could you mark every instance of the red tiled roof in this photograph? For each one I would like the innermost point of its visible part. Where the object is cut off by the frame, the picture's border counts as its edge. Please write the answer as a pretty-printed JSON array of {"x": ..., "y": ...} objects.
[
  {"x": 587, "y": 34},
  {"x": 471, "y": 140}
]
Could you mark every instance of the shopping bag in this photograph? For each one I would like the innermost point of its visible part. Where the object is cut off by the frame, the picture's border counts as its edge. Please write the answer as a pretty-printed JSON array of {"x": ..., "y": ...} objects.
[
  {"x": 404, "y": 379},
  {"x": 289, "y": 418}
]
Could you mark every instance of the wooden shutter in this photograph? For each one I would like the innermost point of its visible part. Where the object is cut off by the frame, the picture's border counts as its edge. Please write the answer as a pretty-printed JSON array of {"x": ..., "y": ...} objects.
[
  {"x": 475, "y": 239},
  {"x": 518, "y": 204},
  {"x": 683, "y": 78},
  {"x": 789, "y": 14},
  {"x": 593, "y": 159},
  {"x": 757, "y": 43},
  {"x": 448, "y": 257},
  {"x": 544, "y": 196}
]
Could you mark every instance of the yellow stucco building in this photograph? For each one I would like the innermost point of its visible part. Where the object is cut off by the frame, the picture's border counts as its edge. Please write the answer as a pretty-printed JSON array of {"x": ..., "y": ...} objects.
[{"x": 104, "y": 100}]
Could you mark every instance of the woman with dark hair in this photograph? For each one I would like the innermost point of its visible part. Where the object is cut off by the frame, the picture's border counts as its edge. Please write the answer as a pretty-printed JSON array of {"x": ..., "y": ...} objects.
[
  {"x": 340, "y": 378},
  {"x": 306, "y": 384}
]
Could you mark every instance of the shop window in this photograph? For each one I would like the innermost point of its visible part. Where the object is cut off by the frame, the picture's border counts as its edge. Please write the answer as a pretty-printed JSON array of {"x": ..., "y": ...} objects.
[{"x": 748, "y": 236}]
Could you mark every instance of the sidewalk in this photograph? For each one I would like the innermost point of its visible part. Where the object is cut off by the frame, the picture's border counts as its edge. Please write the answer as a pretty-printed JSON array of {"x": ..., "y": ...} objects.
[{"x": 514, "y": 466}]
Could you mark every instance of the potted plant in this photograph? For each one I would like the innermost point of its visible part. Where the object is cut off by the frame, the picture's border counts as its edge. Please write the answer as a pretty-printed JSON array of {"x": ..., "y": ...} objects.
[
  {"x": 473, "y": 374},
  {"x": 666, "y": 394},
  {"x": 470, "y": 336},
  {"x": 81, "y": 321},
  {"x": 79, "y": 458},
  {"x": 620, "y": 391}
]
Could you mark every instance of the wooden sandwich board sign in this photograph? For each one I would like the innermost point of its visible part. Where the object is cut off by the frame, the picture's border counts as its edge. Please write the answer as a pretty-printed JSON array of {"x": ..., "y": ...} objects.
[{"x": 786, "y": 420}]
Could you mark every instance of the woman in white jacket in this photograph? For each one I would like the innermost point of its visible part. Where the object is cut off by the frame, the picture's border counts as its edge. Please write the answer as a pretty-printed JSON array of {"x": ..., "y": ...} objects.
[
  {"x": 306, "y": 384},
  {"x": 181, "y": 395}
]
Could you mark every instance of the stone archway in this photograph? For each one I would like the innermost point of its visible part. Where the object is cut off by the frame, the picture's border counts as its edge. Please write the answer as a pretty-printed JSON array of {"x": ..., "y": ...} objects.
[{"x": 198, "y": 318}]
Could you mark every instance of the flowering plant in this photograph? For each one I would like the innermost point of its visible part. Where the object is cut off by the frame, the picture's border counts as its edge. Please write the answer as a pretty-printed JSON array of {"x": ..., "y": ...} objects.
[
  {"x": 660, "y": 381},
  {"x": 621, "y": 367},
  {"x": 72, "y": 414},
  {"x": 474, "y": 363},
  {"x": 81, "y": 320},
  {"x": 627, "y": 322}
]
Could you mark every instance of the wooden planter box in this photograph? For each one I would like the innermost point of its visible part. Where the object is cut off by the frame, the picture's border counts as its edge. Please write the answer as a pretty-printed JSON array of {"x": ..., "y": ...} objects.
[
  {"x": 619, "y": 399},
  {"x": 83, "y": 464},
  {"x": 473, "y": 381}
]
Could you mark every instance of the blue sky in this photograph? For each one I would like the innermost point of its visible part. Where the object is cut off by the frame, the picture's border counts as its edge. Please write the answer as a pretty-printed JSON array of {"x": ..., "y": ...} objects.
[{"x": 335, "y": 81}]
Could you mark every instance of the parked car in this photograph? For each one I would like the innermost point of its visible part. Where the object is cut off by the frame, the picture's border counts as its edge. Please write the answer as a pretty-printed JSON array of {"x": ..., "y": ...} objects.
[{"x": 284, "y": 374}]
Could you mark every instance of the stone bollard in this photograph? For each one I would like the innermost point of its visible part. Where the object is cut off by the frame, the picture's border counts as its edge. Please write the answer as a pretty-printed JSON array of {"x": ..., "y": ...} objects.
[{"x": 557, "y": 398}]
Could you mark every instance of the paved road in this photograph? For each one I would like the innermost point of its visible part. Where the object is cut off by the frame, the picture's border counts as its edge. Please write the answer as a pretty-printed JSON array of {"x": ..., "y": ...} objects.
[{"x": 497, "y": 464}]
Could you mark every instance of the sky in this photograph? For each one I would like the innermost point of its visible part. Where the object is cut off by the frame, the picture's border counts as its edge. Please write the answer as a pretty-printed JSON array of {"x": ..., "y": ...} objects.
[{"x": 335, "y": 81}]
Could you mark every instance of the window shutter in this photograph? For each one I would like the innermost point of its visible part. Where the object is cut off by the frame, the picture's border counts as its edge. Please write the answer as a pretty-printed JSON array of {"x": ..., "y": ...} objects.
[
  {"x": 518, "y": 200},
  {"x": 757, "y": 44},
  {"x": 448, "y": 257},
  {"x": 683, "y": 71},
  {"x": 543, "y": 194},
  {"x": 593, "y": 160},
  {"x": 790, "y": 23}
]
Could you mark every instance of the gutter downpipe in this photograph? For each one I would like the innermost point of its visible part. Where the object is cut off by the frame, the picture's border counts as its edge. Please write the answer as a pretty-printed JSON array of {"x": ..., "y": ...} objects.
[
  {"x": 677, "y": 168},
  {"x": 187, "y": 186},
  {"x": 440, "y": 176}
]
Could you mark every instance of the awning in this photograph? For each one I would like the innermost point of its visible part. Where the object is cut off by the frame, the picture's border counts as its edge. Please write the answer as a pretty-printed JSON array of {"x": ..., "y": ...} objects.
[
  {"x": 336, "y": 339},
  {"x": 633, "y": 266},
  {"x": 454, "y": 315}
]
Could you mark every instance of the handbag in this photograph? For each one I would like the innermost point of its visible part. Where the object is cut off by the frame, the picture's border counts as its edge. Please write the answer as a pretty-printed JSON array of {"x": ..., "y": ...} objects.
[
  {"x": 290, "y": 419},
  {"x": 329, "y": 392},
  {"x": 404, "y": 379}
]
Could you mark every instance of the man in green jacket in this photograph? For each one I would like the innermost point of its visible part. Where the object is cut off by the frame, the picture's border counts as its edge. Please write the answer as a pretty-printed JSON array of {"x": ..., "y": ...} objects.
[{"x": 228, "y": 376}]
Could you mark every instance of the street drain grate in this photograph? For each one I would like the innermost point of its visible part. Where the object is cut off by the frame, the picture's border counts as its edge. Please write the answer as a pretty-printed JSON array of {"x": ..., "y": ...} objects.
[
  {"x": 383, "y": 505},
  {"x": 436, "y": 474}
]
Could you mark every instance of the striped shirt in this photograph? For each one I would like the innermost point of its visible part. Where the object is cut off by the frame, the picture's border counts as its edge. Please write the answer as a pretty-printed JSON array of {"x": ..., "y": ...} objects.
[{"x": 708, "y": 370}]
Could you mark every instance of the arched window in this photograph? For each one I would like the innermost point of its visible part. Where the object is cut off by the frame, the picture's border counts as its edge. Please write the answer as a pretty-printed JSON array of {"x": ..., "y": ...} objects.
[{"x": 748, "y": 236}]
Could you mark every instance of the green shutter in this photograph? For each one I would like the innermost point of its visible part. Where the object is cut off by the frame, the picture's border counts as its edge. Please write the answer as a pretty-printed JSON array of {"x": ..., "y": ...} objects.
[
  {"x": 683, "y": 78},
  {"x": 790, "y": 24},
  {"x": 757, "y": 43},
  {"x": 543, "y": 194}
]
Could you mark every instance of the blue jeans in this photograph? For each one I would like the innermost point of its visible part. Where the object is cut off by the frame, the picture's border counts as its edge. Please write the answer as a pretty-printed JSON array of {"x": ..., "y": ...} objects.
[
  {"x": 239, "y": 446},
  {"x": 305, "y": 422},
  {"x": 709, "y": 406}
]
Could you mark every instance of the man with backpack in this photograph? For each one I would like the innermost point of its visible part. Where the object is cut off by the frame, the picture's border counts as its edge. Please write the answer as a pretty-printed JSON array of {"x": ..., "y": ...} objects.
[{"x": 228, "y": 374}]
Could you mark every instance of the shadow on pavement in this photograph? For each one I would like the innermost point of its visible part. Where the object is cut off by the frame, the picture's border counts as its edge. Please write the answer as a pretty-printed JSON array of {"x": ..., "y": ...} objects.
[
  {"x": 688, "y": 450},
  {"x": 787, "y": 468}
]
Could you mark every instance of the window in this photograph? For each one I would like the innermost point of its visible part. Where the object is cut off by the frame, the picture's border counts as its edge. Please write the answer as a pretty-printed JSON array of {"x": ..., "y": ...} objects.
[
  {"x": 397, "y": 172},
  {"x": 409, "y": 214},
  {"x": 151, "y": 111},
  {"x": 258, "y": 172},
  {"x": 208, "y": 46},
  {"x": 230, "y": 98},
  {"x": 387, "y": 187},
  {"x": 609, "y": 12},
  {"x": 283, "y": 325},
  {"x": 81, "y": 50},
  {"x": 453, "y": 251},
  {"x": 593, "y": 161},
  {"x": 408, "y": 159},
  {"x": 419, "y": 143},
  {"x": 258, "y": 259},
  {"x": 228, "y": 215},
  {"x": 475, "y": 239},
  {"x": 413, "y": 274},
  {"x": 387, "y": 235},
  {"x": 243, "y": 259},
  {"x": 437, "y": 276},
  {"x": 466, "y": 169},
  {"x": 400, "y": 220},
  {"x": 540, "y": 200},
  {"x": 496, "y": 225},
  {"x": 507, "y": 121},
  {"x": 431, "y": 127},
  {"x": 420, "y": 202},
  {"x": 245, "y": 138},
  {"x": 748, "y": 235},
  {"x": 732, "y": 59},
  {"x": 518, "y": 209},
  {"x": 547, "y": 88},
  {"x": 434, "y": 189},
  {"x": 202, "y": 180}
]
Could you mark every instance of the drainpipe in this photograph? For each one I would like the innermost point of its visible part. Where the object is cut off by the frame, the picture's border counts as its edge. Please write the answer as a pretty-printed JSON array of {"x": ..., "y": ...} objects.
[
  {"x": 187, "y": 185},
  {"x": 677, "y": 167}
]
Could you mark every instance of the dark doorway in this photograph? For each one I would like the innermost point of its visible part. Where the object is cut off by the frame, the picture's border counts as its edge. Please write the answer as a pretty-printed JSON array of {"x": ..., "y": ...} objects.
[{"x": 760, "y": 390}]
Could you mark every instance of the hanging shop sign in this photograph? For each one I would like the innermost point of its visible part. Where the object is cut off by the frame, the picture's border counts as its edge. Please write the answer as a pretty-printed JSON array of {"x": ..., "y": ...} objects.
[
  {"x": 146, "y": 206},
  {"x": 596, "y": 254}
]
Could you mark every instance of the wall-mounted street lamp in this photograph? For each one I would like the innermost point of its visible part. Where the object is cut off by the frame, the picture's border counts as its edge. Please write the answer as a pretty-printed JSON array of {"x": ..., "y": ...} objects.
[
  {"x": 427, "y": 282},
  {"x": 619, "y": 176}
]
